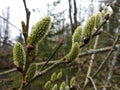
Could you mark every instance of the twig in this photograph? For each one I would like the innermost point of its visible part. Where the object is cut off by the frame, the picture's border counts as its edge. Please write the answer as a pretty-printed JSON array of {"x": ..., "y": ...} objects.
[
  {"x": 91, "y": 62},
  {"x": 27, "y": 16},
  {"x": 48, "y": 69},
  {"x": 53, "y": 54},
  {"x": 90, "y": 78},
  {"x": 8, "y": 71},
  {"x": 110, "y": 52},
  {"x": 10, "y": 23}
]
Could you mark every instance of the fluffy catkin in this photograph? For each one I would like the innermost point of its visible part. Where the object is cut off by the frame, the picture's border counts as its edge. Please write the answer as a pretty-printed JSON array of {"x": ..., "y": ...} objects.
[
  {"x": 73, "y": 52},
  {"x": 19, "y": 55},
  {"x": 89, "y": 27},
  {"x": 39, "y": 31},
  {"x": 76, "y": 37}
]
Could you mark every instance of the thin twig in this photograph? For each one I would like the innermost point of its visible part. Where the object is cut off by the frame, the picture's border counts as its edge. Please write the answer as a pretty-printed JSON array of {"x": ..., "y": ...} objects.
[
  {"x": 11, "y": 23},
  {"x": 53, "y": 54},
  {"x": 90, "y": 78},
  {"x": 107, "y": 57},
  {"x": 91, "y": 62},
  {"x": 39, "y": 74},
  {"x": 27, "y": 16},
  {"x": 8, "y": 71}
]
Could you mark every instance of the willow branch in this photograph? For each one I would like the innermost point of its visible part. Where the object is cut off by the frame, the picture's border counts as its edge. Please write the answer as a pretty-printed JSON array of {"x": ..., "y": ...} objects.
[
  {"x": 27, "y": 16},
  {"x": 39, "y": 74},
  {"x": 89, "y": 52},
  {"x": 8, "y": 71}
]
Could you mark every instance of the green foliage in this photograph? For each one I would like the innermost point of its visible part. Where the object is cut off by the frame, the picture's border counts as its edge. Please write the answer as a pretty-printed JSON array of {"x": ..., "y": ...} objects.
[
  {"x": 39, "y": 31},
  {"x": 30, "y": 72},
  {"x": 19, "y": 55},
  {"x": 76, "y": 37},
  {"x": 73, "y": 51}
]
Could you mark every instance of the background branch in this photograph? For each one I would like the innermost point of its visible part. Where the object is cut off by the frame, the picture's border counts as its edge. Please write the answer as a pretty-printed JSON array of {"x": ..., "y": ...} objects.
[{"x": 91, "y": 62}]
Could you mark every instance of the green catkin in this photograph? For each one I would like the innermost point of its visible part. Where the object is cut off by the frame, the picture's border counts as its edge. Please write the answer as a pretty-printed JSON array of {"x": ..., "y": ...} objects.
[
  {"x": 72, "y": 82},
  {"x": 67, "y": 87},
  {"x": 98, "y": 19},
  {"x": 76, "y": 37},
  {"x": 47, "y": 85},
  {"x": 73, "y": 52},
  {"x": 39, "y": 31},
  {"x": 30, "y": 72},
  {"x": 59, "y": 75},
  {"x": 89, "y": 27},
  {"x": 19, "y": 55},
  {"x": 62, "y": 86},
  {"x": 53, "y": 77},
  {"x": 55, "y": 87}
]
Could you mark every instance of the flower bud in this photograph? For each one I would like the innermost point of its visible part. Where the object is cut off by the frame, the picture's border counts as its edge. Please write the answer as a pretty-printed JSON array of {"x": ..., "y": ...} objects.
[
  {"x": 73, "y": 51},
  {"x": 55, "y": 87},
  {"x": 98, "y": 19},
  {"x": 47, "y": 85},
  {"x": 89, "y": 27},
  {"x": 53, "y": 77},
  {"x": 39, "y": 31},
  {"x": 62, "y": 86},
  {"x": 77, "y": 35},
  {"x": 59, "y": 75},
  {"x": 19, "y": 55},
  {"x": 67, "y": 87},
  {"x": 72, "y": 82}
]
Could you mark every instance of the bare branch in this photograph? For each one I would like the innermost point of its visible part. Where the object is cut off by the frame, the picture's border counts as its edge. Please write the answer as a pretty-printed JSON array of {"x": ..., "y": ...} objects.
[
  {"x": 8, "y": 71},
  {"x": 107, "y": 57},
  {"x": 10, "y": 23},
  {"x": 91, "y": 62},
  {"x": 90, "y": 78}
]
